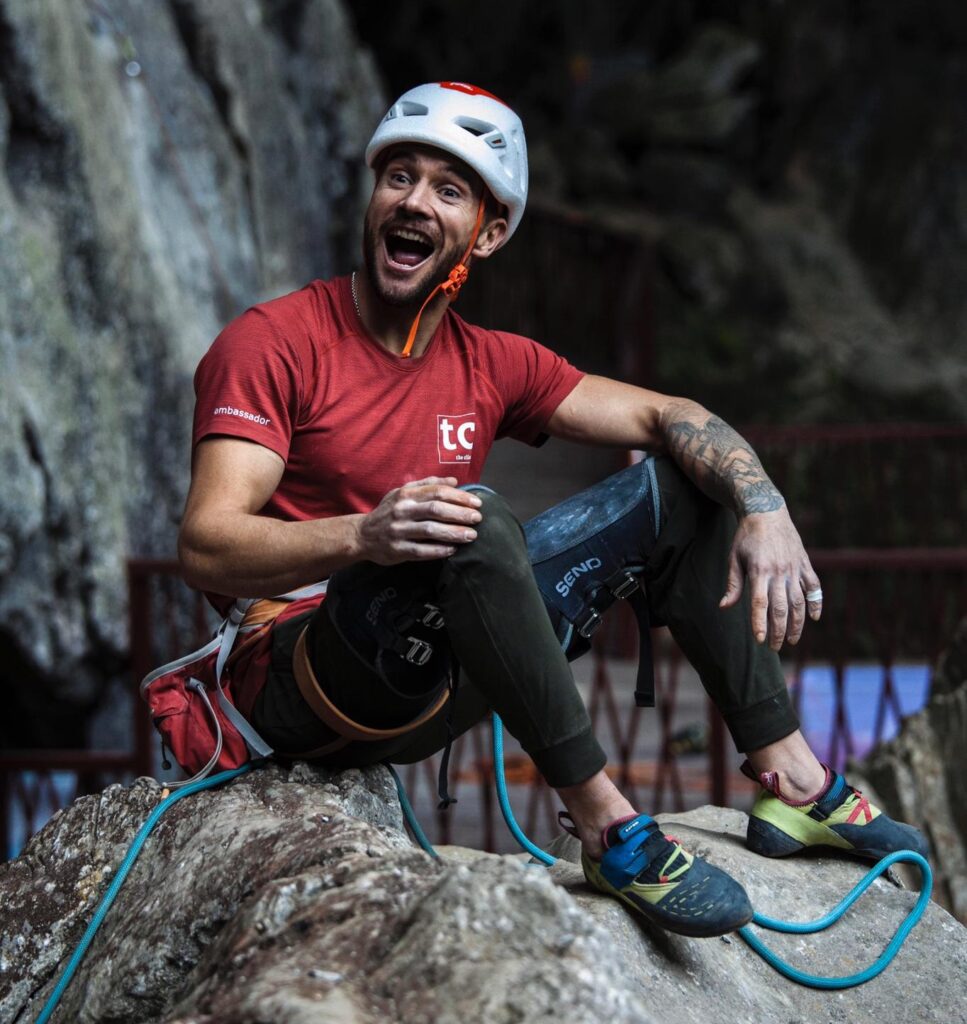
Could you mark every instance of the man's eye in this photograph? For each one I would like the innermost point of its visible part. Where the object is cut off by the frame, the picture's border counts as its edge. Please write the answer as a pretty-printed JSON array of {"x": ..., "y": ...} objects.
[{"x": 449, "y": 192}]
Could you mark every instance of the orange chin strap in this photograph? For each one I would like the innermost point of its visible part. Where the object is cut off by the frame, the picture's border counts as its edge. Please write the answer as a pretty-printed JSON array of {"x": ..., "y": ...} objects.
[{"x": 451, "y": 286}]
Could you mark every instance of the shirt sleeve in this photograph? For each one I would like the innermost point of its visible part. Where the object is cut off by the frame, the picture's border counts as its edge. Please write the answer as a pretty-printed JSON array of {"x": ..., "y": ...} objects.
[
  {"x": 249, "y": 385},
  {"x": 532, "y": 381}
]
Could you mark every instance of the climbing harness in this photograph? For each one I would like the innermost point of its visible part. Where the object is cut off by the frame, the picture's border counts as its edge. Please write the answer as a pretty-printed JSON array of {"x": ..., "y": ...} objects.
[{"x": 204, "y": 733}]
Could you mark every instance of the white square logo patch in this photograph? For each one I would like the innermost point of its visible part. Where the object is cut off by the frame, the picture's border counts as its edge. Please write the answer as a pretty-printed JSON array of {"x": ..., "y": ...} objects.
[{"x": 454, "y": 436}]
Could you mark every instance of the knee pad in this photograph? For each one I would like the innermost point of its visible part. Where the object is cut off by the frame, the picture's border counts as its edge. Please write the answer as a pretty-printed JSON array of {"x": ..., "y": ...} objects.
[
  {"x": 590, "y": 551},
  {"x": 387, "y": 617}
]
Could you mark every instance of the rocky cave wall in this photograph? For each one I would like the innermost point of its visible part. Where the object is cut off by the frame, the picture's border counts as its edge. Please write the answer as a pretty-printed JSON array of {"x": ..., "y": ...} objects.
[{"x": 162, "y": 166}]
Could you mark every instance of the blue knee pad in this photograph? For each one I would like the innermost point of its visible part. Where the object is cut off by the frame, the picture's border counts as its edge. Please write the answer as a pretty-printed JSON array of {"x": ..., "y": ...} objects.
[{"x": 589, "y": 552}]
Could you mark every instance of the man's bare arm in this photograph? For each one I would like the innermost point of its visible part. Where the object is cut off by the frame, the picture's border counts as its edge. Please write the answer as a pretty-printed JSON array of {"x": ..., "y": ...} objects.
[
  {"x": 226, "y": 547},
  {"x": 767, "y": 549},
  {"x": 718, "y": 459}
]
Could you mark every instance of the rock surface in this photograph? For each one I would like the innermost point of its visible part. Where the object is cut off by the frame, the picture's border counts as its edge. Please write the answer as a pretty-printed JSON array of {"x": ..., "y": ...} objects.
[
  {"x": 919, "y": 775},
  {"x": 294, "y": 896},
  {"x": 162, "y": 166}
]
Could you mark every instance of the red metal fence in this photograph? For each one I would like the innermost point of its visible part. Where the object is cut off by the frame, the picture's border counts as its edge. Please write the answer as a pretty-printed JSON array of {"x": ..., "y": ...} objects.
[{"x": 885, "y": 607}]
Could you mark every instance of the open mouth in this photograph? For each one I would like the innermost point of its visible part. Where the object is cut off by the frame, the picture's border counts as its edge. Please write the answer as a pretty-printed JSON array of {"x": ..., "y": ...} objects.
[{"x": 406, "y": 248}]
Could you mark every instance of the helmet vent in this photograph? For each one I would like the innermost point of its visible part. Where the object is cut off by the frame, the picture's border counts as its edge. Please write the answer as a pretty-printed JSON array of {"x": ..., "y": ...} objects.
[
  {"x": 405, "y": 109},
  {"x": 475, "y": 127}
]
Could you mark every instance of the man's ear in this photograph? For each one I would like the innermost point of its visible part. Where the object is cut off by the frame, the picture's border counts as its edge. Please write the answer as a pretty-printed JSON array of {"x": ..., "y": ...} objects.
[{"x": 491, "y": 235}]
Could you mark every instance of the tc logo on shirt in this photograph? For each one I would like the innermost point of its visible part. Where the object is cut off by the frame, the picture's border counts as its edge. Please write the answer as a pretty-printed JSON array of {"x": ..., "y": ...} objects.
[{"x": 454, "y": 436}]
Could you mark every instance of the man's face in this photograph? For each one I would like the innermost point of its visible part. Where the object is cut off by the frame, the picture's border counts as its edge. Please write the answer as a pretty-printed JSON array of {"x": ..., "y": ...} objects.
[{"x": 419, "y": 222}]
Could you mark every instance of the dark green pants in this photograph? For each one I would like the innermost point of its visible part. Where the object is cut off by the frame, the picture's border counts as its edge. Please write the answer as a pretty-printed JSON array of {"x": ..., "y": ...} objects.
[{"x": 511, "y": 661}]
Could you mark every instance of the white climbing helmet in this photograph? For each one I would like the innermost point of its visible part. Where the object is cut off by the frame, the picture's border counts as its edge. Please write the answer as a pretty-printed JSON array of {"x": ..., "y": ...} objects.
[{"x": 470, "y": 123}]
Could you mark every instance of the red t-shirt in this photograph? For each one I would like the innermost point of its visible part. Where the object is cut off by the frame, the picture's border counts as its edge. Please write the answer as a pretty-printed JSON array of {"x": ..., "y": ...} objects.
[
  {"x": 301, "y": 376},
  {"x": 352, "y": 421}
]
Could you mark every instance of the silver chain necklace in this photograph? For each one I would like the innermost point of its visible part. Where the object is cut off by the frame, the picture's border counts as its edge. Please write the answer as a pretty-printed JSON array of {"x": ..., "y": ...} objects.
[{"x": 355, "y": 299}]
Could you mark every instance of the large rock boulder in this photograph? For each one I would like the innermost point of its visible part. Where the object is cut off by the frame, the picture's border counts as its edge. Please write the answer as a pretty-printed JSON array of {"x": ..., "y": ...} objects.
[
  {"x": 291, "y": 896},
  {"x": 919, "y": 775},
  {"x": 162, "y": 166}
]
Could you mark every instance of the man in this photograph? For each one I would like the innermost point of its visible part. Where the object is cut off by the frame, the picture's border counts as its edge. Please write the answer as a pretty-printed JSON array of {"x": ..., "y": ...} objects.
[{"x": 342, "y": 430}]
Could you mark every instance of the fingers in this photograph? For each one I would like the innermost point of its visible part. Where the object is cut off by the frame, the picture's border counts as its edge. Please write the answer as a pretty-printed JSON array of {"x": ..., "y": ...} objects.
[
  {"x": 422, "y": 520},
  {"x": 430, "y": 531},
  {"x": 411, "y": 551},
  {"x": 439, "y": 492},
  {"x": 436, "y": 488},
  {"x": 733, "y": 587},
  {"x": 759, "y": 600},
  {"x": 813, "y": 590},
  {"x": 797, "y": 611},
  {"x": 782, "y": 603},
  {"x": 778, "y": 609}
]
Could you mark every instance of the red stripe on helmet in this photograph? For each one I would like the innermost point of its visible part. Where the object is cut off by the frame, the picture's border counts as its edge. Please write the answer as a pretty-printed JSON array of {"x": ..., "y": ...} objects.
[{"x": 470, "y": 90}]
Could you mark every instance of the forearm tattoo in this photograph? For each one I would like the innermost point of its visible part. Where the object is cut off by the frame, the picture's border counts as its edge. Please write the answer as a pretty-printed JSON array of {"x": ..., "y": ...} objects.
[{"x": 720, "y": 461}]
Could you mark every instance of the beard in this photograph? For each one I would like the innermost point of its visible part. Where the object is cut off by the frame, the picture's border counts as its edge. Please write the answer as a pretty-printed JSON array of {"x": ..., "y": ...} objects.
[{"x": 406, "y": 294}]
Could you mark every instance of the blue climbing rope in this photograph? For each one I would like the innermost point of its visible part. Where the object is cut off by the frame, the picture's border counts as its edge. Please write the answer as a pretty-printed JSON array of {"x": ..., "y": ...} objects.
[
  {"x": 504, "y": 800},
  {"x": 410, "y": 815},
  {"x": 793, "y": 973},
  {"x": 797, "y": 928},
  {"x": 771, "y": 958},
  {"x": 132, "y": 855}
]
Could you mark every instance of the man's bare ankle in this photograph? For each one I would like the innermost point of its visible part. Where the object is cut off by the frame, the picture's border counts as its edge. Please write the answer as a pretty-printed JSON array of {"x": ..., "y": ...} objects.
[
  {"x": 593, "y": 806},
  {"x": 800, "y": 774}
]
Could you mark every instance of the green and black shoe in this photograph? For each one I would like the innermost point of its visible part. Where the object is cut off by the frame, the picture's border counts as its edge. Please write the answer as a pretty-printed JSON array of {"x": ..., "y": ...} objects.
[
  {"x": 656, "y": 876},
  {"x": 838, "y": 817}
]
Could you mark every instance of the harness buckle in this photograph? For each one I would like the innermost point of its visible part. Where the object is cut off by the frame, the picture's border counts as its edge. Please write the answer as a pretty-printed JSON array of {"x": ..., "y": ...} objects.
[
  {"x": 432, "y": 617},
  {"x": 590, "y": 624},
  {"x": 420, "y": 651},
  {"x": 626, "y": 587}
]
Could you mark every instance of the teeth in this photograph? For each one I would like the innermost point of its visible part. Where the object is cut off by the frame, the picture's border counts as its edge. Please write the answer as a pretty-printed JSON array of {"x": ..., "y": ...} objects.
[{"x": 412, "y": 236}]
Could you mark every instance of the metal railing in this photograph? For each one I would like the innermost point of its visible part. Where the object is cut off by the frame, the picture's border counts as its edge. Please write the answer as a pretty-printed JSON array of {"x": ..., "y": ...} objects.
[{"x": 884, "y": 608}]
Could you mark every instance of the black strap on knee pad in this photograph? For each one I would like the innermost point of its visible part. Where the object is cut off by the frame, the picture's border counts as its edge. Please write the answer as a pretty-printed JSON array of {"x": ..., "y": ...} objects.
[
  {"x": 387, "y": 618},
  {"x": 589, "y": 552}
]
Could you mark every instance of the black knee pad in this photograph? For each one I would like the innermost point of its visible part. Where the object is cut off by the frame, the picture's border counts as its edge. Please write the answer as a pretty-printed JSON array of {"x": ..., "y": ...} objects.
[{"x": 388, "y": 618}]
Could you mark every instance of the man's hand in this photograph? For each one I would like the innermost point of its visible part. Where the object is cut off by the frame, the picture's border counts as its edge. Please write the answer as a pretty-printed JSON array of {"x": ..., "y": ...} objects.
[
  {"x": 419, "y": 521},
  {"x": 768, "y": 551}
]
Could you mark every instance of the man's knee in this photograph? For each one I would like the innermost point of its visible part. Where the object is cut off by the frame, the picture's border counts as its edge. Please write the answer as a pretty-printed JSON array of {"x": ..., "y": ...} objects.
[
  {"x": 685, "y": 510},
  {"x": 500, "y": 538}
]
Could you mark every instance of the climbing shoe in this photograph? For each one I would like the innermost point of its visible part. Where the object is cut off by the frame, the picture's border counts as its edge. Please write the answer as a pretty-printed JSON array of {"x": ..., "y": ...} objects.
[
  {"x": 662, "y": 881},
  {"x": 838, "y": 816}
]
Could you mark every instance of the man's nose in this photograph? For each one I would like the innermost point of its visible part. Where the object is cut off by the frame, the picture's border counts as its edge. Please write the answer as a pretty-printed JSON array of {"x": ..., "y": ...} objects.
[{"x": 417, "y": 199}]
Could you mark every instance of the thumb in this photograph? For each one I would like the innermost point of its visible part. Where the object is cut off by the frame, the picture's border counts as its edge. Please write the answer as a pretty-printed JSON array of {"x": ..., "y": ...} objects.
[{"x": 733, "y": 588}]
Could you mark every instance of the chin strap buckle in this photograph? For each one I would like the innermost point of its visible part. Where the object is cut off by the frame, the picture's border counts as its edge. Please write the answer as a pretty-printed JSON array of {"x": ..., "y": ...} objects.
[{"x": 456, "y": 279}]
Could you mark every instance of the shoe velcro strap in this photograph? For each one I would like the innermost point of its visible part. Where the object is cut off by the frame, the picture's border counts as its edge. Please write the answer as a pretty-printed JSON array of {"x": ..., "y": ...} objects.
[
  {"x": 831, "y": 799},
  {"x": 631, "y": 828}
]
